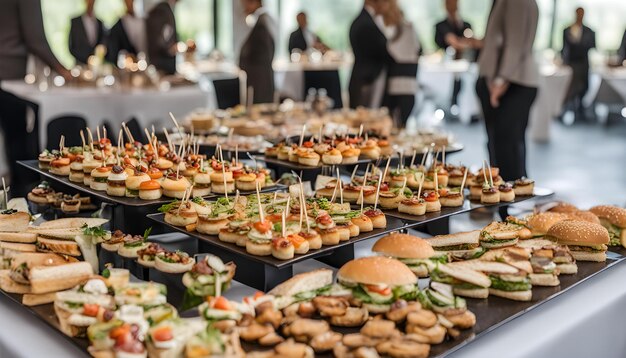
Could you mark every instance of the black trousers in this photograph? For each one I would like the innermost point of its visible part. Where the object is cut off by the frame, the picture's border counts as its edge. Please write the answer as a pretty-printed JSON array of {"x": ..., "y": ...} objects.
[
  {"x": 400, "y": 108},
  {"x": 456, "y": 89},
  {"x": 506, "y": 127},
  {"x": 19, "y": 144}
]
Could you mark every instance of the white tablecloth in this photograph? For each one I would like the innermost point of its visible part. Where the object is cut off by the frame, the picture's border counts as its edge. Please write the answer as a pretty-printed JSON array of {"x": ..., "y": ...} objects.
[
  {"x": 587, "y": 321},
  {"x": 553, "y": 85},
  {"x": 149, "y": 106}
]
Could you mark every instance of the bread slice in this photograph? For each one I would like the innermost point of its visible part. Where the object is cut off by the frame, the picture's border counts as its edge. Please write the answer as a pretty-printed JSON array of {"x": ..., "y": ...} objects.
[
  {"x": 466, "y": 274},
  {"x": 303, "y": 282},
  {"x": 72, "y": 223},
  {"x": 589, "y": 256},
  {"x": 10, "y": 286},
  {"x": 544, "y": 279},
  {"x": 57, "y": 278},
  {"x": 61, "y": 234},
  {"x": 19, "y": 237},
  {"x": 487, "y": 266},
  {"x": 30, "y": 299},
  {"x": 472, "y": 293},
  {"x": 468, "y": 237},
  {"x": 15, "y": 222},
  {"x": 19, "y": 247},
  {"x": 502, "y": 230},
  {"x": 512, "y": 295},
  {"x": 62, "y": 247},
  {"x": 568, "y": 269}
]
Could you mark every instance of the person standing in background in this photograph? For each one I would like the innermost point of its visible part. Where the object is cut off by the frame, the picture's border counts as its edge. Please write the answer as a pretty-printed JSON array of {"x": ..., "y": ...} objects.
[
  {"x": 302, "y": 39},
  {"x": 404, "y": 48},
  {"x": 371, "y": 58},
  {"x": 257, "y": 52},
  {"x": 162, "y": 37},
  {"x": 507, "y": 83},
  {"x": 21, "y": 34},
  {"x": 578, "y": 39},
  {"x": 452, "y": 32},
  {"x": 127, "y": 35},
  {"x": 621, "y": 52},
  {"x": 86, "y": 32}
]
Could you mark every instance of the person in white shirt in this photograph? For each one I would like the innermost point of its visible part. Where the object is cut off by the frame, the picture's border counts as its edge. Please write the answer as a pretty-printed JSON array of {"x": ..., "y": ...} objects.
[
  {"x": 86, "y": 32},
  {"x": 404, "y": 48},
  {"x": 128, "y": 35}
]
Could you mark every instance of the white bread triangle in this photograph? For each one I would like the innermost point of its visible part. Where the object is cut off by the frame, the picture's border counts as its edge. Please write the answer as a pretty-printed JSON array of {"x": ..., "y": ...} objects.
[
  {"x": 468, "y": 237},
  {"x": 466, "y": 274},
  {"x": 589, "y": 256},
  {"x": 544, "y": 279},
  {"x": 61, "y": 277},
  {"x": 512, "y": 295},
  {"x": 75, "y": 223},
  {"x": 487, "y": 266},
  {"x": 61, "y": 234},
  {"x": 10, "y": 286},
  {"x": 306, "y": 281},
  {"x": 15, "y": 246},
  {"x": 472, "y": 293}
]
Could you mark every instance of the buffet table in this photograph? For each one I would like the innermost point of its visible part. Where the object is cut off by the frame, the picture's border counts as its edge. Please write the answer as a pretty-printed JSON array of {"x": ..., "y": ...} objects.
[
  {"x": 583, "y": 322},
  {"x": 148, "y": 105}
]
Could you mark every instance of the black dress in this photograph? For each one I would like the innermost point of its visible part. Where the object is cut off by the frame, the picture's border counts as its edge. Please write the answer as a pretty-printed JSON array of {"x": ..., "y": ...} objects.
[{"x": 256, "y": 57}]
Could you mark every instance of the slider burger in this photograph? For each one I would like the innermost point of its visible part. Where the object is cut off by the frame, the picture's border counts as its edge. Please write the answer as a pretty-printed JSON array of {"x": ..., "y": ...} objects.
[
  {"x": 190, "y": 171},
  {"x": 413, "y": 206},
  {"x": 537, "y": 225},
  {"x": 376, "y": 282},
  {"x": 179, "y": 214},
  {"x": 499, "y": 234},
  {"x": 308, "y": 158},
  {"x": 175, "y": 186},
  {"x": 60, "y": 166},
  {"x": 489, "y": 195},
  {"x": 116, "y": 182},
  {"x": 363, "y": 222},
  {"x": 432, "y": 201},
  {"x": 451, "y": 197},
  {"x": 100, "y": 178},
  {"x": 313, "y": 237},
  {"x": 350, "y": 155},
  {"x": 524, "y": 187},
  {"x": 236, "y": 231},
  {"x": 507, "y": 194},
  {"x": 76, "y": 170},
  {"x": 370, "y": 150},
  {"x": 413, "y": 251},
  {"x": 613, "y": 219},
  {"x": 88, "y": 166},
  {"x": 466, "y": 281},
  {"x": 82, "y": 306},
  {"x": 302, "y": 287},
  {"x": 332, "y": 157},
  {"x": 45, "y": 158},
  {"x": 201, "y": 184},
  {"x": 327, "y": 229},
  {"x": 247, "y": 181},
  {"x": 461, "y": 246},
  {"x": 586, "y": 241},
  {"x": 173, "y": 262},
  {"x": 150, "y": 190},
  {"x": 134, "y": 181},
  {"x": 154, "y": 174},
  {"x": 391, "y": 199},
  {"x": 260, "y": 239},
  {"x": 562, "y": 207},
  {"x": 282, "y": 248},
  {"x": 379, "y": 221},
  {"x": 147, "y": 255}
]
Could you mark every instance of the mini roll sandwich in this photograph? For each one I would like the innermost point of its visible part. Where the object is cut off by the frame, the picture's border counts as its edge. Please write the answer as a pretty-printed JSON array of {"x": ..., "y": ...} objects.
[
  {"x": 524, "y": 187},
  {"x": 260, "y": 239},
  {"x": 490, "y": 195},
  {"x": 413, "y": 251},
  {"x": 201, "y": 184},
  {"x": 350, "y": 156},
  {"x": 213, "y": 223},
  {"x": 432, "y": 201},
  {"x": 88, "y": 166},
  {"x": 282, "y": 248},
  {"x": 150, "y": 190},
  {"x": 173, "y": 262},
  {"x": 413, "y": 206},
  {"x": 175, "y": 186},
  {"x": 45, "y": 158},
  {"x": 60, "y": 166},
  {"x": 308, "y": 158},
  {"x": 327, "y": 229},
  {"x": 131, "y": 246},
  {"x": 370, "y": 150},
  {"x": 116, "y": 182},
  {"x": 76, "y": 170},
  {"x": 313, "y": 237},
  {"x": 100, "y": 178},
  {"x": 246, "y": 181},
  {"x": 133, "y": 182},
  {"x": 451, "y": 198},
  {"x": 179, "y": 214},
  {"x": 236, "y": 231},
  {"x": 155, "y": 174},
  {"x": 476, "y": 191},
  {"x": 363, "y": 222},
  {"x": 379, "y": 221},
  {"x": 147, "y": 255},
  {"x": 507, "y": 194},
  {"x": 332, "y": 157}
]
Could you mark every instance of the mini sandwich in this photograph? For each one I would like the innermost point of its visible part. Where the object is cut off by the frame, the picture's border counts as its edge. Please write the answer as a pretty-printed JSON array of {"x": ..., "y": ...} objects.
[
  {"x": 18, "y": 237},
  {"x": 60, "y": 166},
  {"x": 175, "y": 186},
  {"x": 260, "y": 239},
  {"x": 350, "y": 155},
  {"x": 99, "y": 178},
  {"x": 586, "y": 241},
  {"x": 282, "y": 248},
  {"x": 308, "y": 158},
  {"x": 460, "y": 246},
  {"x": 45, "y": 278},
  {"x": 82, "y": 306},
  {"x": 88, "y": 166},
  {"x": 132, "y": 245},
  {"x": 413, "y": 206},
  {"x": 39, "y": 194},
  {"x": 507, "y": 194},
  {"x": 302, "y": 287},
  {"x": 155, "y": 174},
  {"x": 370, "y": 150},
  {"x": 377, "y": 282},
  {"x": 451, "y": 198},
  {"x": 116, "y": 182},
  {"x": 45, "y": 158},
  {"x": 201, "y": 184},
  {"x": 14, "y": 278},
  {"x": 61, "y": 247},
  {"x": 150, "y": 190},
  {"x": 499, "y": 234},
  {"x": 332, "y": 157},
  {"x": 210, "y": 276},
  {"x": 524, "y": 187},
  {"x": 476, "y": 191},
  {"x": 613, "y": 219},
  {"x": 235, "y": 232},
  {"x": 391, "y": 199},
  {"x": 559, "y": 254},
  {"x": 328, "y": 229},
  {"x": 246, "y": 181},
  {"x": 12, "y": 220},
  {"x": 133, "y": 182},
  {"x": 465, "y": 281},
  {"x": 379, "y": 221},
  {"x": 173, "y": 262},
  {"x": 179, "y": 214},
  {"x": 313, "y": 238},
  {"x": 432, "y": 201},
  {"x": 507, "y": 281},
  {"x": 147, "y": 255},
  {"x": 413, "y": 251},
  {"x": 76, "y": 170},
  {"x": 490, "y": 195}
]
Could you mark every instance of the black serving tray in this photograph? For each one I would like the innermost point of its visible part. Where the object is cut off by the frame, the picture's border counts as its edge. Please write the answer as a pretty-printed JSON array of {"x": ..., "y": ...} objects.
[
  {"x": 468, "y": 205},
  {"x": 393, "y": 224}
]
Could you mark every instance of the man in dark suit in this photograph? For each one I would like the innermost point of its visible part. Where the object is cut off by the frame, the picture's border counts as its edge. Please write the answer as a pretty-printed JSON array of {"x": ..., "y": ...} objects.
[
  {"x": 303, "y": 38},
  {"x": 162, "y": 37},
  {"x": 453, "y": 32},
  {"x": 257, "y": 52},
  {"x": 86, "y": 32},
  {"x": 621, "y": 52},
  {"x": 371, "y": 57},
  {"x": 128, "y": 35},
  {"x": 21, "y": 35},
  {"x": 578, "y": 39}
]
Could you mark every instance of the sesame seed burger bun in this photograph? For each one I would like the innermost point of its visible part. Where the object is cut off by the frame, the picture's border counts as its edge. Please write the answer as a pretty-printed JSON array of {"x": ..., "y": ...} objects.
[
  {"x": 377, "y": 270},
  {"x": 579, "y": 233},
  {"x": 540, "y": 223},
  {"x": 404, "y": 246},
  {"x": 613, "y": 214},
  {"x": 583, "y": 216}
]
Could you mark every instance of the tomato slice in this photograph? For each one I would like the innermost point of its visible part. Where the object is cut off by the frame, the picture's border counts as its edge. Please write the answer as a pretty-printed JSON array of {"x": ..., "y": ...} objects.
[
  {"x": 163, "y": 334},
  {"x": 90, "y": 310},
  {"x": 221, "y": 303},
  {"x": 377, "y": 289},
  {"x": 262, "y": 226},
  {"x": 120, "y": 331},
  {"x": 296, "y": 240}
]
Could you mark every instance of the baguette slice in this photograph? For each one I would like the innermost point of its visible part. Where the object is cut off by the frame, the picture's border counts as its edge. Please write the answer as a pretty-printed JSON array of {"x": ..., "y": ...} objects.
[
  {"x": 57, "y": 278},
  {"x": 303, "y": 282}
]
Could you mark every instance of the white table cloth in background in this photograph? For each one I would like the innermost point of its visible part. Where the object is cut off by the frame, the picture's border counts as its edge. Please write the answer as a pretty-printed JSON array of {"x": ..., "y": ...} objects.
[
  {"x": 149, "y": 106},
  {"x": 553, "y": 85}
]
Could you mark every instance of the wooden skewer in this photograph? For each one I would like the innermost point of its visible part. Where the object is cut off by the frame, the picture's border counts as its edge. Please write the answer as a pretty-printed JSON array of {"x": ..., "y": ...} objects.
[
  {"x": 98, "y": 133},
  {"x": 169, "y": 141},
  {"x": 282, "y": 222},
  {"x": 419, "y": 190},
  {"x": 176, "y": 123},
  {"x": 90, "y": 137},
  {"x": 361, "y": 197},
  {"x": 424, "y": 156},
  {"x": 485, "y": 172},
  {"x": 104, "y": 132},
  {"x": 82, "y": 138},
  {"x": 224, "y": 178},
  {"x": 413, "y": 158},
  {"x": 120, "y": 140},
  {"x": 6, "y": 194},
  {"x": 380, "y": 180},
  {"x": 340, "y": 187},
  {"x": 443, "y": 156},
  {"x": 353, "y": 174},
  {"x": 360, "y": 131},
  {"x": 302, "y": 135},
  {"x": 463, "y": 182},
  {"x": 436, "y": 183},
  {"x": 332, "y": 199},
  {"x": 490, "y": 175},
  {"x": 236, "y": 154},
  {"x": 258, "y": 199}
]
